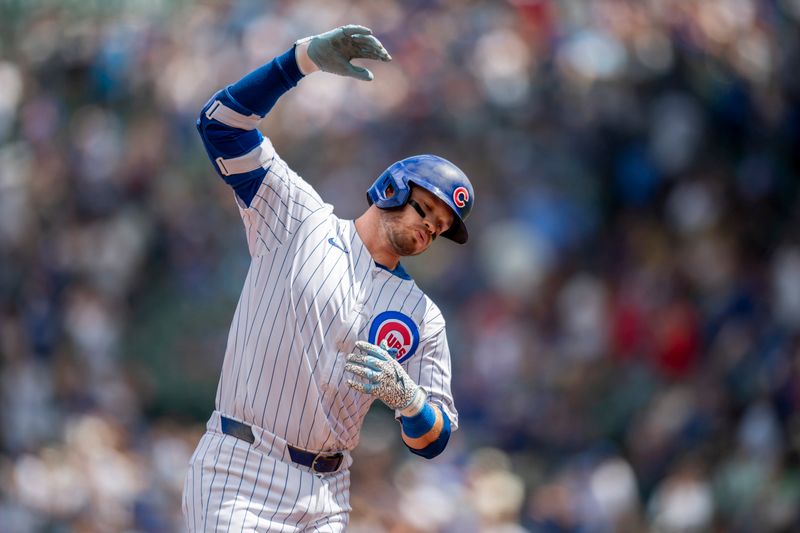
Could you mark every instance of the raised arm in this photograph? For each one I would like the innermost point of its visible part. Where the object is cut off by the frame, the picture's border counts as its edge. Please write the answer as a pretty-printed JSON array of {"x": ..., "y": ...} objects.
[{"x": 228, "y": 123}]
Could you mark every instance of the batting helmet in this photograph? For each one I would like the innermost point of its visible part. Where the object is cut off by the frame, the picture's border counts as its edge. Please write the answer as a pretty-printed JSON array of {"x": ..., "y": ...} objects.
[{"x": 434, "y": 174}]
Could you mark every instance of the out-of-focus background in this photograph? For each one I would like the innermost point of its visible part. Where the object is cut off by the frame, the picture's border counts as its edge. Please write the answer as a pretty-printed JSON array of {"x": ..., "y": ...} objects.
[{"x": 623, "y": 323}]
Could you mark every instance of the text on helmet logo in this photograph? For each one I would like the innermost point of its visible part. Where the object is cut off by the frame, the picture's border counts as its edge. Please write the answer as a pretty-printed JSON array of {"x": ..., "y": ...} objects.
[{"x": 461, "y": 196}]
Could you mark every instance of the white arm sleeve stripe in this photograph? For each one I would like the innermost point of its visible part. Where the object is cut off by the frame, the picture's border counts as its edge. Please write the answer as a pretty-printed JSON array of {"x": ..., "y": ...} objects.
[
  {"x": 259, "y": 157},
  {"x": 222, "y": 113}
]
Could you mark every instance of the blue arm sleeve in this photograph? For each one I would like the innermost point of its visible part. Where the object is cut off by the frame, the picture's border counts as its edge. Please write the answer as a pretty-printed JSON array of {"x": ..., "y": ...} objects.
[
  {"x": 259, "y": 90},
  {"x": 421, "y": 423},
  {"x": 256, "y": 93}
]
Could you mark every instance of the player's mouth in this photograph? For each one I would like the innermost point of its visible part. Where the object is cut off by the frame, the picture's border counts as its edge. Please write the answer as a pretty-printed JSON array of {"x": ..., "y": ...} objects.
[{"x": 421, "y": 237}]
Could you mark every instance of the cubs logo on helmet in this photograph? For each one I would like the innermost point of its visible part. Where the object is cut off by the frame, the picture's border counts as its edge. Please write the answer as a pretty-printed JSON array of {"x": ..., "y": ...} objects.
[
  {"x": 461, "y": 196},
  {"x": 399, "y": 332}
]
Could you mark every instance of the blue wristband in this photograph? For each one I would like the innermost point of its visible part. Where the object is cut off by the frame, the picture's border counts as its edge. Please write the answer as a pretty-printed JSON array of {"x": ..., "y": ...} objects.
[{"x": 419, "y": 424}]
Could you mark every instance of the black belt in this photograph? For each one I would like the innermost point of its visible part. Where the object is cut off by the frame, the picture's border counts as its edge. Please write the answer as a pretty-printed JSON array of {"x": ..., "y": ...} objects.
[{"x": 323, "y": 462}]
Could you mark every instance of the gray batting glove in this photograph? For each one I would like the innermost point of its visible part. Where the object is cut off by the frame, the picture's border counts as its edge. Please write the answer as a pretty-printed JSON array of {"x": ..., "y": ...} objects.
[
  {"x": 332, "y": 51},
  {"x": 385, "y": 378}
]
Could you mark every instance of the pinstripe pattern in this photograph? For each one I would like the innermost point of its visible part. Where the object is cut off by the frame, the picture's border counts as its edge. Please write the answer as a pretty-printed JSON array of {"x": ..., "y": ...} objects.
[
  {"x": 312, "y": 290},
  {"x": 270, "y": 494}
]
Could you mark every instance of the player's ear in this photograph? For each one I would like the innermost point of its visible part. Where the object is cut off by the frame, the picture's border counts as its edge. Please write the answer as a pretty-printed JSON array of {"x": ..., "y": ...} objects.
[{"x": 389, "y": 191}]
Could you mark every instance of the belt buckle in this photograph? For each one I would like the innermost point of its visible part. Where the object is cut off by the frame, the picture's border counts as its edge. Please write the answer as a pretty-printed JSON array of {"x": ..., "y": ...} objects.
[{"x": 322, "y": 456}]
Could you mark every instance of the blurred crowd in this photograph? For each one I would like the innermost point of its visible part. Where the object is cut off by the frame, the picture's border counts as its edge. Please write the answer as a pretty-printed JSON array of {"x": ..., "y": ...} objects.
[{"x": 624, "y": 323}]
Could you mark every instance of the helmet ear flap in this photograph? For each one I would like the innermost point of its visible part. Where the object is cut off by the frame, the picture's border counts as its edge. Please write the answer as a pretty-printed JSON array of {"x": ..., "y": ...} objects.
[{"x": 388, "y": 191}]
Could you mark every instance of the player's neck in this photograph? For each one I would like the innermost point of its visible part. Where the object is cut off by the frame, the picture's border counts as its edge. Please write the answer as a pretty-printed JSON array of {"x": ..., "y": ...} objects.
[{"x": 368, "y": 227}]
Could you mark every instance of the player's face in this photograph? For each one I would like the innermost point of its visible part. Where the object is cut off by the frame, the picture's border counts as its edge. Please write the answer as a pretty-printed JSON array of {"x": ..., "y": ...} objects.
[{"x": 416, "y": 225}]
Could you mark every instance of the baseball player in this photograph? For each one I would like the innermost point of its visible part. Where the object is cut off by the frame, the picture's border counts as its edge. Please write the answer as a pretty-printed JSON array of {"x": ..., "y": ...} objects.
[{"x": 327, "y": 321}]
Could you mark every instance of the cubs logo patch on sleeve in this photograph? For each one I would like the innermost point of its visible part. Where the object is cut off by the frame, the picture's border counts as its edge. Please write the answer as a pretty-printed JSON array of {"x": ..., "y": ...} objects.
[{"x": 399, "y": 332}]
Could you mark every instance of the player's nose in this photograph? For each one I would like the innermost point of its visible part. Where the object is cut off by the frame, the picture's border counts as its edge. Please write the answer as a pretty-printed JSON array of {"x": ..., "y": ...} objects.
[{"x": 430, "y": 229}]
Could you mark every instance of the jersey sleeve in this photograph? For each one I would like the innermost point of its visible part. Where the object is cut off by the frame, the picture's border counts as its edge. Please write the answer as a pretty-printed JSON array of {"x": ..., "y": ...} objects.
[
  {"x": 430, "y": 366},
  {"x": 272, "y": 199}
]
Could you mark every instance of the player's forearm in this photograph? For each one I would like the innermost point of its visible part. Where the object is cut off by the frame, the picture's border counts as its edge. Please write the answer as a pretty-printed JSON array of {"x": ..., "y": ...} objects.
[
  {"x": 259, "y": 90},
  {"x": 425, "y": 426},
  {"x": 427, "y": 432},
  {"x": 228, "y": 122}
]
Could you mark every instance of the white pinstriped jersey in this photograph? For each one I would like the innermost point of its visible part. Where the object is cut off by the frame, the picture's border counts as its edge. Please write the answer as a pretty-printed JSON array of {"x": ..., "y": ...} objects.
[{"x": 311, "y": 291}]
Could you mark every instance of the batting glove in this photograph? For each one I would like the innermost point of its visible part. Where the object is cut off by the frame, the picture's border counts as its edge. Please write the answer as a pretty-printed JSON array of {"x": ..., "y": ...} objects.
[
  {"x": 384, "y": 378},
  {"x": 332, "y": 51}
]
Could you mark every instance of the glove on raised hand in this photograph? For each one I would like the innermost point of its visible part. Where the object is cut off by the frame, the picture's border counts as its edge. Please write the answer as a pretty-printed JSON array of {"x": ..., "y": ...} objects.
[
  {"x": 332, "y": 51},
  {"x": 385, "y": 378}
]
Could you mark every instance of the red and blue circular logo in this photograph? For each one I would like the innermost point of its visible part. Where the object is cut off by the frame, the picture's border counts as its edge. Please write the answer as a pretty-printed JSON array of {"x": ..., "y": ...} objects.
[
  {"x": 399, "y": 332},
  {"x": 461, "y": 196}
]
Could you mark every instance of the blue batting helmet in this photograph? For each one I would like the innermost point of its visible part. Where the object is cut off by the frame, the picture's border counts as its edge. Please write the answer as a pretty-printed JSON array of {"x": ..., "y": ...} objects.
[{"x": 434, "y": 174}]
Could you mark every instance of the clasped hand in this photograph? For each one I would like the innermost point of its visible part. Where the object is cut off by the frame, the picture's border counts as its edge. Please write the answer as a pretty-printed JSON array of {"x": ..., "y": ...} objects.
[{"x": 384, "y": 378}]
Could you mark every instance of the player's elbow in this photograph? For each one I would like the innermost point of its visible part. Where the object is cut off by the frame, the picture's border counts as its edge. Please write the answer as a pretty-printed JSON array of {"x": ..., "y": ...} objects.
[
  {"x": 434, "y": 448},
  {"x": 203, "y": 120},
  {"x": 430, "y": 439},
  {"x": 225, "y": 129}
]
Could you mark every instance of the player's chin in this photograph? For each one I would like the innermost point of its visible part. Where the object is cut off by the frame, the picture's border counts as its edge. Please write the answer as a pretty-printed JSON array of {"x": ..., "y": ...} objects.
[
  {"x": 416, "y": 252},
  {"x": 422, "y": 241},
  {"x": 410, "y": 246},
  {"x": 418, "y": 244},
  {"x": 420, "y": 247}
]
